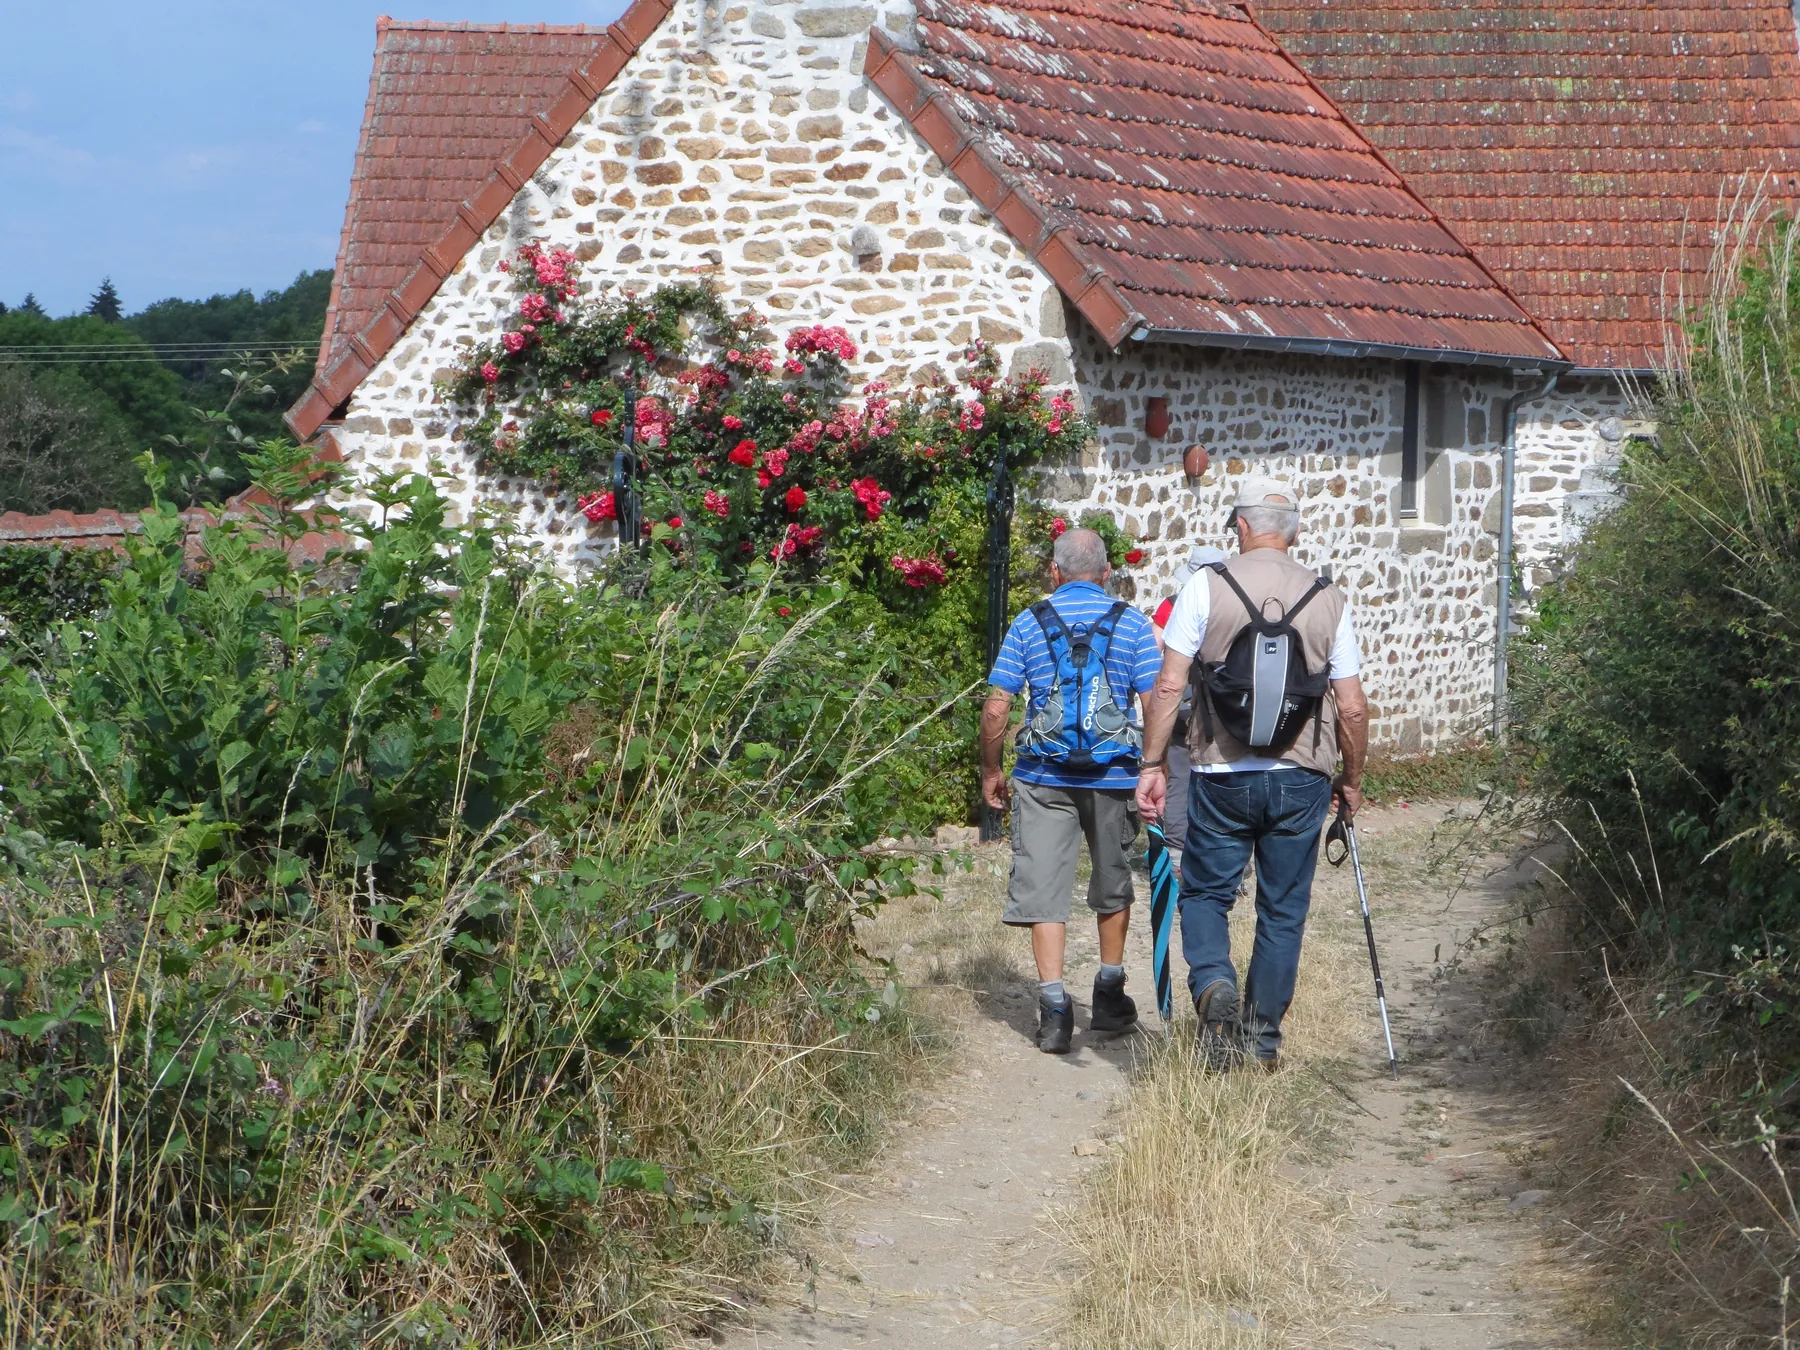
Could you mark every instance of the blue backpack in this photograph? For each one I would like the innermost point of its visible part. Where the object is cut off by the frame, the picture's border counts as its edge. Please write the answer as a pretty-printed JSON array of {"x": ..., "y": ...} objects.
[{"x": 1081, "y": 724}]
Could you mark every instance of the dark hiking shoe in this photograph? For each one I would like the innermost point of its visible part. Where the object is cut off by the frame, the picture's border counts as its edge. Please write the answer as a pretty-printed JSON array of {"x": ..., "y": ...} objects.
[
  {"x": 1221, "y": 1034},
  {"x": 1113, "y": 1008},
  {"x": 1056, "y": 1026},
  {"x": 1267, "y": 1063}
]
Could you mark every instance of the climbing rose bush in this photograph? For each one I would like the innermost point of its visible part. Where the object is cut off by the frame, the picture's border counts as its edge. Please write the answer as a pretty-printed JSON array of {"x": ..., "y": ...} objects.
[{"x": 752, "y": 443}]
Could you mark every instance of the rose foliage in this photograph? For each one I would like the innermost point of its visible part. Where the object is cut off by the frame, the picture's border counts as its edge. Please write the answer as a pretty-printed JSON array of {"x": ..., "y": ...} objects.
[{"x": 754, "y": 452}]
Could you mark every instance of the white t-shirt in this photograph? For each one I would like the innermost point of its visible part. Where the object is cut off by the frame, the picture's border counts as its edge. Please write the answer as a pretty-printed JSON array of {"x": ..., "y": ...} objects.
[{"x": 1186, "y": 630}]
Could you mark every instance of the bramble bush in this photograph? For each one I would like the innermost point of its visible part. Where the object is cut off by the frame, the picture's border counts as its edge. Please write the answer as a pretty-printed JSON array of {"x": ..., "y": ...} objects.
[{"x": 393, "y": 946}]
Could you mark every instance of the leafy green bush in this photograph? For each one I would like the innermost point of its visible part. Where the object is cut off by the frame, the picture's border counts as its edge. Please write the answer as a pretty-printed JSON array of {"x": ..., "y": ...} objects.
[
  {"x": 41, "y": 587},
  {"x": 1658, "y": 685},
  {"x": 409, "y": 946}
]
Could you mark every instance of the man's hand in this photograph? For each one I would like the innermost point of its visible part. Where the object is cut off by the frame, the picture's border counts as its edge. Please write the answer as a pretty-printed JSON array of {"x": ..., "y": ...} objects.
[
  {"x": 1152, "y": 792},
  {"x": 1346, "y": 797},
  {"x": 996, "y": 789}
]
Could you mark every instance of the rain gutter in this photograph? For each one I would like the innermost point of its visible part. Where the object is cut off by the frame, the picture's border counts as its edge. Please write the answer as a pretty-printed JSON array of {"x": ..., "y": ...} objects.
[{"x": 1349, "y": 350}]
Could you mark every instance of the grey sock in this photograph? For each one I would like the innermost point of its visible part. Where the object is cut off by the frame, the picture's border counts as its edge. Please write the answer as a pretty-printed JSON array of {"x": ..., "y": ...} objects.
[
  {"x": 1050, "y": 993},
  {"x": 1112, "y": 974}
]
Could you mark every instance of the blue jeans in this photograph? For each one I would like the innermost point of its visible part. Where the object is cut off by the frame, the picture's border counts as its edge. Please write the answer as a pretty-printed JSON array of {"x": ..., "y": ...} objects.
[{"x": 1276, "y": 815}]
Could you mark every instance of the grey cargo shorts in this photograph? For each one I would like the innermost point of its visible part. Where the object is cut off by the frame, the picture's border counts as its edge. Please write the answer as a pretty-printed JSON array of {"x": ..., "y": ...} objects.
[{"x": 1048, "y": 825}]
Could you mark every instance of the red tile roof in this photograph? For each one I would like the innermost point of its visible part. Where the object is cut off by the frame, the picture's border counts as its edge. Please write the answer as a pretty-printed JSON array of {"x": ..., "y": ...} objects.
[
  {"x": 459, "y": 117},
  {"x": 1575, "y": 145},
  {"x": 1175, "y": 172}
]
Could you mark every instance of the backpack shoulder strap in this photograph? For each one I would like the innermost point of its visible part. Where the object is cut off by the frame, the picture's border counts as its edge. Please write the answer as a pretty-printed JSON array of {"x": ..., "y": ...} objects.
[
  {"x": 1319, "y": 584},
  {"x": 1052, "y": 624},
  {"x": 1231, "y": 581},
  {"x": 1110, "y": 620}
]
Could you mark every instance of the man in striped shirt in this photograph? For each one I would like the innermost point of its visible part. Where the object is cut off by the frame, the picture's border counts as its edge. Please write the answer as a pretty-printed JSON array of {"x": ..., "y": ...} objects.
[{"x": 1054, "y": 805}]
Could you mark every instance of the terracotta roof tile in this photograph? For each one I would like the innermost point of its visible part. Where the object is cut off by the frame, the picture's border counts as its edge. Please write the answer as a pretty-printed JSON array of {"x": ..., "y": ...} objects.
[
  {"x": 1580, "y": 147},
  {"x": 1174, "y": 171}
]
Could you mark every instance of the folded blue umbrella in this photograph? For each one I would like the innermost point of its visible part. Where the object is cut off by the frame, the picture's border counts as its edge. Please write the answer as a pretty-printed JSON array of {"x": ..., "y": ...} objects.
[{"x": 1162, "y": 919}]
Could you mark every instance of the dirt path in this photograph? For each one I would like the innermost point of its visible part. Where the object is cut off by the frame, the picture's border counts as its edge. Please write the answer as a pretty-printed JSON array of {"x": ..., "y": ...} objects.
[{"x": 956, "y": 1237}]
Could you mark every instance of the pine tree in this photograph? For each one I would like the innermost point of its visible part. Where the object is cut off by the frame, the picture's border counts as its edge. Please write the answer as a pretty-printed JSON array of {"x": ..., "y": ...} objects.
[
  {"x": 105, "y": 304},
  {"x": 31, "y": 306},
  {"x": 3, "y": 309}
]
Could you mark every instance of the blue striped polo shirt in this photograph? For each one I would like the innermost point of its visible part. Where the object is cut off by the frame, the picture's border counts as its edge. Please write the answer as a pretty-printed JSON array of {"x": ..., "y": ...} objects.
[{"x": 1132, "y": 662}]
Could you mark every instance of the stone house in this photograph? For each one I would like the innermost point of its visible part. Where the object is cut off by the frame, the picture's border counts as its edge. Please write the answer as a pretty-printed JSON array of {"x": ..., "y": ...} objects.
[{"x": 1153, "y": 201}]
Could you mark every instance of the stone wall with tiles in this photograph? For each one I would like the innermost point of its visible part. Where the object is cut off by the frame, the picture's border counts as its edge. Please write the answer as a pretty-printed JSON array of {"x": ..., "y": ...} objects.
[
  {"x": 1568, "y": 446},
  {"x": 741, "y": 145}
]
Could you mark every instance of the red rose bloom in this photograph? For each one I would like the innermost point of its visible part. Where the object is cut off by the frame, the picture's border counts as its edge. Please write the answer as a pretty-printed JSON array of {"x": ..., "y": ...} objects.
[
  {"x": 795, "y": 499},
  {"x": 744, "y": 453},
  {"x": 1135, "y": 557},
  {"x": 674, "y": 522},
  {"x": 601, "y": 416},
  {"x": 784, "y": 611}
]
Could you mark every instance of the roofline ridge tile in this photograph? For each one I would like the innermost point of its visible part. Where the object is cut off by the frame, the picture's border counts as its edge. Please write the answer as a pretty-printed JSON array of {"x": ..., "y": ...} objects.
[
  {"x": 1405, "y": 187},
  {"x": 470, "y": 219},
  {"x": 385, "y": 24},
  {"x": 1051, "y": 243}
]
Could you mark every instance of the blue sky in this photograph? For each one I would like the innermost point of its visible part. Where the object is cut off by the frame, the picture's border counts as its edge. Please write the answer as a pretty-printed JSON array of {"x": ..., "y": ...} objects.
[{"x": 190, "y": 146}]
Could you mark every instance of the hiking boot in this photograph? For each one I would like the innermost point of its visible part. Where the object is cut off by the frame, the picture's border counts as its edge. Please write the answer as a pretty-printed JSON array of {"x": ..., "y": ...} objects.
[
  {"x": 1056, "y": 1026},
  {"x": 1267, "y": 1063},
  {"x": 1221, "y": 1034},
  {"x": 1113, "y": 1007}
]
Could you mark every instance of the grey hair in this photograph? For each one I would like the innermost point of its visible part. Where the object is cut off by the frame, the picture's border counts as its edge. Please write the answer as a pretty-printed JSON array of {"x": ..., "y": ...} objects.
[
  {"x": 1080, "y": 555},
  {"x": 1271, "y": 520}
]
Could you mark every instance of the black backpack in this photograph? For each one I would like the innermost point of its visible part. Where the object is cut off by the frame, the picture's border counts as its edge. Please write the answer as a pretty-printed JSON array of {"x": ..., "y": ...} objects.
[{"x": 1262, "y": 691}]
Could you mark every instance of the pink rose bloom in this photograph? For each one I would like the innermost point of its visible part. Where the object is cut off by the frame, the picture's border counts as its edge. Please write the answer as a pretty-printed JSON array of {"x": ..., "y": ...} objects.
[{"x": 490, "y": 372}]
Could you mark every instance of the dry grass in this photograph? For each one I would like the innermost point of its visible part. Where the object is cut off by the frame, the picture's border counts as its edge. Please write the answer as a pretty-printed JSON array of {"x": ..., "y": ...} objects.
[
  {"x": 1204, "y": 1232},
  {"x": 1692, "y": 1231}
]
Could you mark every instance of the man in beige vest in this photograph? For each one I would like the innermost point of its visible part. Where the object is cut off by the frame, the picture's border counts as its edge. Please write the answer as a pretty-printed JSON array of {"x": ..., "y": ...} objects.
[{"x": 1244, "y": 801}]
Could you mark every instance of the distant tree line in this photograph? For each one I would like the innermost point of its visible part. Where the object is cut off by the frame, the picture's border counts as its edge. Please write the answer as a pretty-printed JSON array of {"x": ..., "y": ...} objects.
[{"x": 82, "y": 397}]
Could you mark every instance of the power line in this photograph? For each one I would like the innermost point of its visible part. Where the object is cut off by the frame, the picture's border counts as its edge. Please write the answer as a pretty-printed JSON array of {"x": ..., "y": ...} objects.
[
  {"x": 108, "y": 347},
  {"x": 156, "y": 353}
]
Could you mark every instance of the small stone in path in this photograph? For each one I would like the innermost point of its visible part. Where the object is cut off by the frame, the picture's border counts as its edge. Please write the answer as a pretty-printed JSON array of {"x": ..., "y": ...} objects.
[
  {"x": 1525, "y": 1200},
  {"x": 1087, "y": 1148}
]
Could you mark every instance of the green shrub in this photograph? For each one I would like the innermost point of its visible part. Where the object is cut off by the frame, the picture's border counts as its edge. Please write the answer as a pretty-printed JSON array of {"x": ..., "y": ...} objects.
[
  {"x": 41, "y": 587},
  {"x": 1658, "y": 684},
  {"x": 411, "y": 947}
]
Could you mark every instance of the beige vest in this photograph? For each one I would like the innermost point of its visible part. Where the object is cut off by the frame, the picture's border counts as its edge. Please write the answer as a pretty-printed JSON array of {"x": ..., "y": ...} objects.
[{"x": 1268, "y": 574}]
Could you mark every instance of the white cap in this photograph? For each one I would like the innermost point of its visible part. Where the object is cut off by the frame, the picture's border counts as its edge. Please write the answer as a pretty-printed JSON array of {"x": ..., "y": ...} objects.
[
  {"x": 1269, "y": 493},
  {"x": 1203, "y": 555}
]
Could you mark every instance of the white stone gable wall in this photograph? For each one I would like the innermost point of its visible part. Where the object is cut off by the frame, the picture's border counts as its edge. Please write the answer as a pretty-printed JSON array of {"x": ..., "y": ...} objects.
[{"x": 742, "y": 146}]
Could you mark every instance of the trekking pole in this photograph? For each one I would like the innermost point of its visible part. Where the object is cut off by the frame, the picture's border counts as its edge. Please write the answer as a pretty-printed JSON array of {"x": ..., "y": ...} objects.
[{"x": 1343, "y": 834}]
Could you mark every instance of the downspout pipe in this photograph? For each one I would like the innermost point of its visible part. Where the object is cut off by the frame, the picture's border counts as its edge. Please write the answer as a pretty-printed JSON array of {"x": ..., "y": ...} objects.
[{"x": 1504, "y": 581}]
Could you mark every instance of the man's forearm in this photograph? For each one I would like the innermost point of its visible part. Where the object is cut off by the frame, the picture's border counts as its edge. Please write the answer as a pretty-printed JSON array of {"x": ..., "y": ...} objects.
[
  {"x": 1353, "y": 736},
  {"x": 995, "y": 714},
  {"x": 1163, "y": 704}
]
